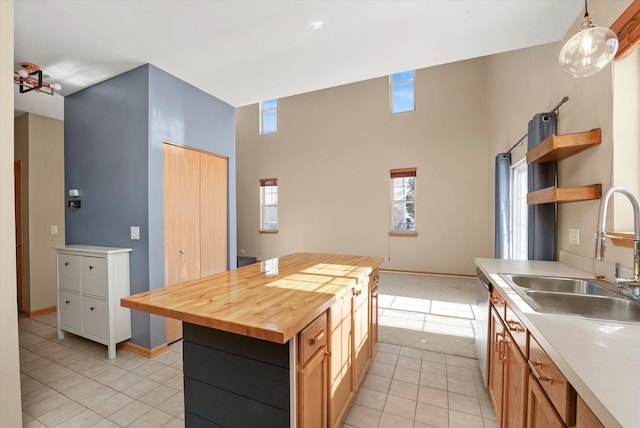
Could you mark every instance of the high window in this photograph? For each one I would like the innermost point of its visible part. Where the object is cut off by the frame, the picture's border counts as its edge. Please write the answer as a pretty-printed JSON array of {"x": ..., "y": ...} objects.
[
  {"x": 268, "y": 116},
  {"x": 519, "y": 211},
  {"x": 269, "y": 205},
  {"x": 403, "y": 200},
  {"x": 401, "y": 87}
]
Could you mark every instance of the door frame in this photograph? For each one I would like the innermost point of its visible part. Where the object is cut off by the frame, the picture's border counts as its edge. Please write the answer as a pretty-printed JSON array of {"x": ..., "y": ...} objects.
[{"x": 17, "y": 177}]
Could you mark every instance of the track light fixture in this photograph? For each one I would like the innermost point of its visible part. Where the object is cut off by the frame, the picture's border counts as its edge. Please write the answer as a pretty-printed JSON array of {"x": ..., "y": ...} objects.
[{"x": 30, "y": 78}]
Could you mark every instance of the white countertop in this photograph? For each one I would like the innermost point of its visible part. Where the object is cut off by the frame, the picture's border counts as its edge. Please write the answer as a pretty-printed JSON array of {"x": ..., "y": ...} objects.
[{"x": 601, "y": 359}]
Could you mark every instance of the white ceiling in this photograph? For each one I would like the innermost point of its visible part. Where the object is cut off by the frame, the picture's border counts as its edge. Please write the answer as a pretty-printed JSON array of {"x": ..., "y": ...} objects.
[{"x": 245, "y": 51}]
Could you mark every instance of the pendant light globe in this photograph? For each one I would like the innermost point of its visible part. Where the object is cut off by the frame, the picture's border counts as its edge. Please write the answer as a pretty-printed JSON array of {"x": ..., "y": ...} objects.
[{"x": 589, "y": 50}]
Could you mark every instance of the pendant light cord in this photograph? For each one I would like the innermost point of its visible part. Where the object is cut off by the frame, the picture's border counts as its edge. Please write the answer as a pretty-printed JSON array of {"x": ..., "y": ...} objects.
[{"x": 586, "y": 11}]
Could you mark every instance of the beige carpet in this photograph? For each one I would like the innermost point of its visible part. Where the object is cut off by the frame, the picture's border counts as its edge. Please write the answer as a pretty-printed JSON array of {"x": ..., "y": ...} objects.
[{"x": 433, "y": 288}]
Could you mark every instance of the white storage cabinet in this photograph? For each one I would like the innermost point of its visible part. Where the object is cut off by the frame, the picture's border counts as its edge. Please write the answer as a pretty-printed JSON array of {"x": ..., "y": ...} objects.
[{"x": 91, "y": 282}]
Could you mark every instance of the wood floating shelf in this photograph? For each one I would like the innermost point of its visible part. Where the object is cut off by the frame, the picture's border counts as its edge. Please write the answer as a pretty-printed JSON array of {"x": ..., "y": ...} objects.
[
  {"x": 559, "y": 147},
  {"x": 626, "y": 239},
  {"x": 564, "y": 194}
]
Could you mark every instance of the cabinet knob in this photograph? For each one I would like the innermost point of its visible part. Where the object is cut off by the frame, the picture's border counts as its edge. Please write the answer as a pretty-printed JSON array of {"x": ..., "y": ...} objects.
[
  {"x": 90, "y": 267},
  {"x": 67, "y": 301},
  {"x": 181, "y": 251},
  {"x": 92, "y": 308},
  {"x": 66, "y": 263}
]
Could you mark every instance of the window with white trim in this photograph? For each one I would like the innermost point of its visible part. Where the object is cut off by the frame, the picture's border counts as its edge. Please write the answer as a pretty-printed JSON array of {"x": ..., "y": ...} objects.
[
  {"x": 401, "y": 89},
  {"x": 269, "y": 204},
  {"x": 403, "y": 200},
  {"x": 519, "y": 212},
  {"x": 269, "y": 116}
]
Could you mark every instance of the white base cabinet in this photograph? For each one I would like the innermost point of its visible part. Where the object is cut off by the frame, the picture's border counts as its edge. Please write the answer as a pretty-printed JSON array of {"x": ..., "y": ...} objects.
[{"x": 91, "y": 282}]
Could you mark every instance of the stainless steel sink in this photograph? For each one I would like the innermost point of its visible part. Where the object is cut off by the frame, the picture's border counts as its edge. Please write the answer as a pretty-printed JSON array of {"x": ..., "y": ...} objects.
[
  {"x": 589, "y": 298},
  {"x": 590, "y": 306},
  {"x": 561, "y": 285}
]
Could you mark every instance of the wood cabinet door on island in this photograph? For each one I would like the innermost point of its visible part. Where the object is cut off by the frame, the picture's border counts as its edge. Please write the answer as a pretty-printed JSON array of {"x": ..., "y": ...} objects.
[
  {"x": 195, "y": 218},
  {"x": 313, "y": 375},
  {"x": 340, "y": 363},
  {"x": 360, "y": 331}
]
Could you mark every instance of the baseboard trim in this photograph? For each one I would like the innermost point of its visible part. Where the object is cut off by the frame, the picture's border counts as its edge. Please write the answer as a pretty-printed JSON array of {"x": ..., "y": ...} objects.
[
  {"x": 422, "y": 272},
  {"x": 40, "y": 311},
  {"x": 141, "y": 350}
]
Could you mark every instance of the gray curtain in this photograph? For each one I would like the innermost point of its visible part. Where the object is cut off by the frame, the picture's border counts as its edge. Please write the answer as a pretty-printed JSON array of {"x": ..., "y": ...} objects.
[
  {"x": 503, "y": 211},
  {"x": 543, "y": 218}
]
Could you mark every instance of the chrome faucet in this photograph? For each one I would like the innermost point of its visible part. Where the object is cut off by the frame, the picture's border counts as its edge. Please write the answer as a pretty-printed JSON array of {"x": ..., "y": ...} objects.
[{"x": 601, "y": 236}]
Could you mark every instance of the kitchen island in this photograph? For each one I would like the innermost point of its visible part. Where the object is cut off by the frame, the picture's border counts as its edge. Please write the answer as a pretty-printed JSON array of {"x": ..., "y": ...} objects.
[{"x": 253, "y": 335}]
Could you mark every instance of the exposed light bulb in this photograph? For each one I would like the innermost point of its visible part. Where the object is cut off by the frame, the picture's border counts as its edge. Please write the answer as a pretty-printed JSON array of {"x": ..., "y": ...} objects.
[
  {"x": 56, "y": 86},
  {"x": 23, "y": 73},
  {"x": 589, "y": 50}
]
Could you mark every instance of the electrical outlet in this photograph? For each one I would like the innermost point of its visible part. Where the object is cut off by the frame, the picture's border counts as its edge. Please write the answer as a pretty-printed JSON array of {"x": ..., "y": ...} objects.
[
  {"x": 574, "y": 236},
  {"x": 54, "y": 230},
  {"x": 135, "y": 232}
]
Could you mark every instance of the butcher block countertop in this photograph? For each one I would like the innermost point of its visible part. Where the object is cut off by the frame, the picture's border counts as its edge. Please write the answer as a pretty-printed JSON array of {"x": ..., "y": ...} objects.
[{"x": 271, "y": 300}]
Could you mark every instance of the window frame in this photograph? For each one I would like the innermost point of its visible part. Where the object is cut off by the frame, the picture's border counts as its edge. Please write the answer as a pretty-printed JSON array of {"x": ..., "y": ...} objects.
[
  {"x": 264, "y": 110},
  {"x": 518, "y": 245},
  {"x": 264, "y": 183},
  {"x": 393, "y": 85},
  {"x": 403, "y": 173}
]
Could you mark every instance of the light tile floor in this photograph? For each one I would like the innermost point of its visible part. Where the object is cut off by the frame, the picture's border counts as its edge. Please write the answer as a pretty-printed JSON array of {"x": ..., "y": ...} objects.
[
  {"x": 408, "y": 387},
  {"x": 71, "y": 383}
]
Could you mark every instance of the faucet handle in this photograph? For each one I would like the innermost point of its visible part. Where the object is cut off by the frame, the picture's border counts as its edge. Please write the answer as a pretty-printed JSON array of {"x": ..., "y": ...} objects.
[{"x": 616, "y": 271}]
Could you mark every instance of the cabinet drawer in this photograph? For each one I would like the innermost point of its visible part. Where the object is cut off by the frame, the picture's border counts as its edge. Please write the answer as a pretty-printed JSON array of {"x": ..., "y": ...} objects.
[
  {"x": 517, "y": 330},
  {"x": 312, "y": 338},
  {"x": 69, "y": 272},
  {"x": 94, "y": 276},
  {"x": 95, "y": 317},
  {"x": 558, "y": 389},
  {"x": 69, "y": 309},
  {"x": 374, "y": 278},
  {"x": 498, "y": 303}
]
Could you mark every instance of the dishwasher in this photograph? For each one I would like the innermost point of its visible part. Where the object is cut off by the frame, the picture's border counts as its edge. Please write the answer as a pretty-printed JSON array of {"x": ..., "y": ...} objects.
[{"x": 481, "y": 313}]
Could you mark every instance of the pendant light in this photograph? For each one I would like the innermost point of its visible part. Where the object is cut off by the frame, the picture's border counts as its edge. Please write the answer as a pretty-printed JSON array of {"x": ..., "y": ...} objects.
[{"x": 589, "y": 50}]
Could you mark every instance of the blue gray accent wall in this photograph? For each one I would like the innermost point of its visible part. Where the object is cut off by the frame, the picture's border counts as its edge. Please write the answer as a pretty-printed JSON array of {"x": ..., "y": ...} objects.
[
  {"x": 183, "y": 114},
  {"x": 114, "y": 132}
]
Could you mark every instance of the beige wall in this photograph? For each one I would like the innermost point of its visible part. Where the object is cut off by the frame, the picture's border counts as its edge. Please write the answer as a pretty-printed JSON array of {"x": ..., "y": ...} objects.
[
  {"x": 334, "y": 147},
  {"x": 332, "y": 154},
  {"x": 524, "y": 82},
  {"x": 10, "y": 404},
  {"x": 626, "y": 131},
  {"x": 40, "y": 145}
]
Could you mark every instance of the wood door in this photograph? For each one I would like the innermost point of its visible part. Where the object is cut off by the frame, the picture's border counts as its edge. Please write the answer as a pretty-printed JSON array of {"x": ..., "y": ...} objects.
[
  {"x": 17, "y": 177},
  {"x": 181, "y": 179},
  {"x": 340, "y": 363},
  {"x": 213, "y": 214},
  {"x": 515, "y": 385},
  {"x": 360, "y": 332},
  {"x": 540, "y": 411},
  {"x": 496, "y": 367},
  {"x": 585, "y": 418},
  {"x": 312, "y": 391}
]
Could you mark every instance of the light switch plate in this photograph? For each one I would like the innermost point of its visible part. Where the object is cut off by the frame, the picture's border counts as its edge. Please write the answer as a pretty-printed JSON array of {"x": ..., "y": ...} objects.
[
  {"x": 574, "y": 236},
  {"x": 54, "y": 230},
  {"x": 135, "y": 232}
]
